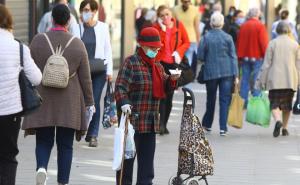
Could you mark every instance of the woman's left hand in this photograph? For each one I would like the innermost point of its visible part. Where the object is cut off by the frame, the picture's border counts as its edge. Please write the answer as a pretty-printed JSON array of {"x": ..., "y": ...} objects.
[{"x": 109, "y": 78}]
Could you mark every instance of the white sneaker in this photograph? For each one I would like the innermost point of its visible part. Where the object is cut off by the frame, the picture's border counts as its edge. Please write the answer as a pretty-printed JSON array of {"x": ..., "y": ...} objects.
[{"x": 41, "y": 176}]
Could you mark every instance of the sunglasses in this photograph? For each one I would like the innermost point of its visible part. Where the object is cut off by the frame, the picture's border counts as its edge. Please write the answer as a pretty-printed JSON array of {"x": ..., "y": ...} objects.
[{"x": 186, "y": 2}]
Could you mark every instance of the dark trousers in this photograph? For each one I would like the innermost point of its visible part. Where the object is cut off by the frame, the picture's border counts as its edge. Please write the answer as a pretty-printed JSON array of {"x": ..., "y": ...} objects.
[
  {"x": 9, "y": 132},
  {"x": 64, "y": 142},
  {"x": 165, "y": 105},
  {"x": 165, "y": 108},
  {"x": 145, "y": 149}
]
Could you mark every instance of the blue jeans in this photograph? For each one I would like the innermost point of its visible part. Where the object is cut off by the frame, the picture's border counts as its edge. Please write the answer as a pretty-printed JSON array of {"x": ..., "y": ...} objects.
[
  {"x": 64, "y": 141},
  {"x": 191, "y": 50},
  {"x": 98, "y": 84},
  {"x": 249, "y": 75},
  {"x": 225, "y": 85}
]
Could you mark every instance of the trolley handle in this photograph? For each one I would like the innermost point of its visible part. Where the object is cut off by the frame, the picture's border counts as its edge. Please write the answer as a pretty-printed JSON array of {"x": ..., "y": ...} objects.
[{"x": 188, "y": 95}]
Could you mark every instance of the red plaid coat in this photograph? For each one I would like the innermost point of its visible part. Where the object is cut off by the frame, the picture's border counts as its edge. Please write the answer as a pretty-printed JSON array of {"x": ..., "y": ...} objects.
[{"x": 134, "y": 86}]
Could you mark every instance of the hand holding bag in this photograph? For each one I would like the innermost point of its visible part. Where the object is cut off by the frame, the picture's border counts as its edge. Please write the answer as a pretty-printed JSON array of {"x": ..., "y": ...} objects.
[
  {"x": 124, "y": 146},
  {"x": 235, "y": 114},
  {"x": 30, "y": 97},
  {"x": 296, "y": 107}
]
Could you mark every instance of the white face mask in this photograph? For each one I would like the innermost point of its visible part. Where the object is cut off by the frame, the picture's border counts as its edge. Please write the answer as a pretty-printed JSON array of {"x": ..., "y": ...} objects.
[{"x": 86, "y": 16}]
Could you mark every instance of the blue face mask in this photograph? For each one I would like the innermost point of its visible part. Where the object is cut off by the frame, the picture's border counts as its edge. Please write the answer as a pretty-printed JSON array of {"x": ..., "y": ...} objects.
[
  {"x": 240, "y": 21},
  {"x": 151, "y": 54}
]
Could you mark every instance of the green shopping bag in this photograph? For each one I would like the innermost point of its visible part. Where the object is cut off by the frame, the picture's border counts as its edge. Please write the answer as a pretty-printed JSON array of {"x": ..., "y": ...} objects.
[{"x": 258, "y": 110}]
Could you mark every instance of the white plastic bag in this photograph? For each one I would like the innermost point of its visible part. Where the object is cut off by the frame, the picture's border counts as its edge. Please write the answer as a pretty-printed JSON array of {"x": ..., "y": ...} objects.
[
  {"x": 119, "y": 143},
  {"x": 130, "y": 144}
]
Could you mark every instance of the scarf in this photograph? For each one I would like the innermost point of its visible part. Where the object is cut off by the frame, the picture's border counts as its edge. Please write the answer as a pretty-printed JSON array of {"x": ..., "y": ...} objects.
[{"x": 158, "y": 89}]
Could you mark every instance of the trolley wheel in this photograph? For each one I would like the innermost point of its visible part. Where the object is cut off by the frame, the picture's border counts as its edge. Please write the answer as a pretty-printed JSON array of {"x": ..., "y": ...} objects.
[
  {"x": 192, "y": 181},
  {"x": 174, "y": 180}
]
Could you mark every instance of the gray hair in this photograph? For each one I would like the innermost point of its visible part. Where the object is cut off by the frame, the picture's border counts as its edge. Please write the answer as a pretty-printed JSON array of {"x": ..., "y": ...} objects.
[
  {"x": 217, "y": 20},
  {"x": 253, "y": 12},
  {"x": 283, "y": 27}
]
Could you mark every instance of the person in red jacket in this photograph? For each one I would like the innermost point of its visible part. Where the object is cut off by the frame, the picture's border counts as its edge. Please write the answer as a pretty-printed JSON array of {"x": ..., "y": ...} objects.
[
  {"x": 251, "y": 47},
  {"x": 175, "y": 43}
]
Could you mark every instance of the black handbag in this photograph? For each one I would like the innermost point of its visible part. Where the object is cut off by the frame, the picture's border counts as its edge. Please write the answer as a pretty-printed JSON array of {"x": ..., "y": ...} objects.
[
  {"x": 296, "y": 107},
  {"x": 97, "y": 66},
  {"x": 200, "y": 77},
  {"x": 187, "y": 73},
  {"x": 30, "y": 97}
]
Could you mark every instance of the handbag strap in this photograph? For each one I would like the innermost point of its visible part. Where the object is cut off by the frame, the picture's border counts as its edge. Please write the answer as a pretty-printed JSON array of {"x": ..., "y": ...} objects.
[
  {"x": 176, "y": 40},
  {"x": 21, "y": 52}
]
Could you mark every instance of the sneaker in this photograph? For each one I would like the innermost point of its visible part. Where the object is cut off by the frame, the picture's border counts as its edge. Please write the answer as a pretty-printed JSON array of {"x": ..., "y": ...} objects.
[
  {"x": 285, "y": 132},
  {"x": 276, "y": 131},
  {"x": 223, "y": 133},
  {"x": 41, "y": 176},
  {"x": 93, "y": 142}
]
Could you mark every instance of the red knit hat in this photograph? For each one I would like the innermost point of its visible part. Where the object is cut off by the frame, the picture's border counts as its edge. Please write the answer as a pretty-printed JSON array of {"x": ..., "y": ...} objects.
[{"x": 149, "y": 36}]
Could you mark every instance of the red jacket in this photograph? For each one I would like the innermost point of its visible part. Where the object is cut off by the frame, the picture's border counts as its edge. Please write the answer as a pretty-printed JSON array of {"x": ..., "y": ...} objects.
[
  {"x": 183, "y": 39},
  {"x": 252, "y": 39}
]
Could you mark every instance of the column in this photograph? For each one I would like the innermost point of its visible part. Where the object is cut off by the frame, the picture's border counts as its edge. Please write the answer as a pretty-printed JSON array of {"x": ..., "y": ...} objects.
[
  {"x": 127, "y": 29},
  {"x": 270, "y": 15}
]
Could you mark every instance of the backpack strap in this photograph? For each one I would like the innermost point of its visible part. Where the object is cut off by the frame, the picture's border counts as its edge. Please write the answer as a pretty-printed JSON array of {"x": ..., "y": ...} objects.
[
  {"x": 51, "y": 47},
  {"x": 68, "y": 44},
  {"x": 58, "y": 50}
]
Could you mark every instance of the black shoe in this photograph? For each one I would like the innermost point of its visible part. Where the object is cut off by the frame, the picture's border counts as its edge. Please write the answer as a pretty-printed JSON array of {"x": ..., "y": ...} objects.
[
  {"x": 88, "y": 138},
  {"x": 276, "y": 131},
  {"x": 162, "y": 131},
  {"x": 167, "y": 131},
  {"x": 285, "y": 132},
  {"x": 93, "y": 142}
]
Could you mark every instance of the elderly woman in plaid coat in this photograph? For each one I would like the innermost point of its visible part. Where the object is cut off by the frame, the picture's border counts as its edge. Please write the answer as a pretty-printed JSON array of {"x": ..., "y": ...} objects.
[{"x": 140, "y": 85}]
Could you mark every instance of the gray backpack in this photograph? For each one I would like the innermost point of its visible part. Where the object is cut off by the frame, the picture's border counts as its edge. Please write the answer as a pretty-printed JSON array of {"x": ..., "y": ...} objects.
[{"x": 56, "y": 70}]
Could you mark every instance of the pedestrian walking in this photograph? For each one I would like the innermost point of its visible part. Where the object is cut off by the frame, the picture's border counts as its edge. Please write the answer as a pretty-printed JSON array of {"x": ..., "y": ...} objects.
[
  {"x": 96, "y": 38},
  {"x": 175, "y": 43},
  {"x": 251, "y": 47},
  {"x": 46, "y": 23},
  {"x": 280, "y": 76},
  {"x": 140, "y": 85},
  {"x": 217, "y": 51},
  {"x": 284, "y": 16},
  {"x": 62, "y": 113},
  {"x": 190, "y": 18},
  {"x": 10, "y": 95}
]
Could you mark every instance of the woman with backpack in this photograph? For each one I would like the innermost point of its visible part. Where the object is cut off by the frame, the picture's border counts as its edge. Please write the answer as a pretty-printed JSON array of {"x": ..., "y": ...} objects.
[
  {"x": 62, "y": 113},
  {"x": 96, "y": 38},
  {"x": 10, "y": 96}
]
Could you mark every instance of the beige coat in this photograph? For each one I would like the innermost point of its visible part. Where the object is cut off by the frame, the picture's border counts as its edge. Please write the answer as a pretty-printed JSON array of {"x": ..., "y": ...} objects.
[
  {"x": 281, "y": 65},
  {"x": 62, "y": 107}
]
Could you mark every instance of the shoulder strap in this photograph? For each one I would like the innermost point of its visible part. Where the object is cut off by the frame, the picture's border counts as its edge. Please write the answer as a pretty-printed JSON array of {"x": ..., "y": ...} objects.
[
  {"x": 51, "y": 47},
  {"x": 68, "y": 44},
  {"x": 176, "y": 40},
  {"x": 58, "y": 49},
  {"x": 21, "y": 52}
]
